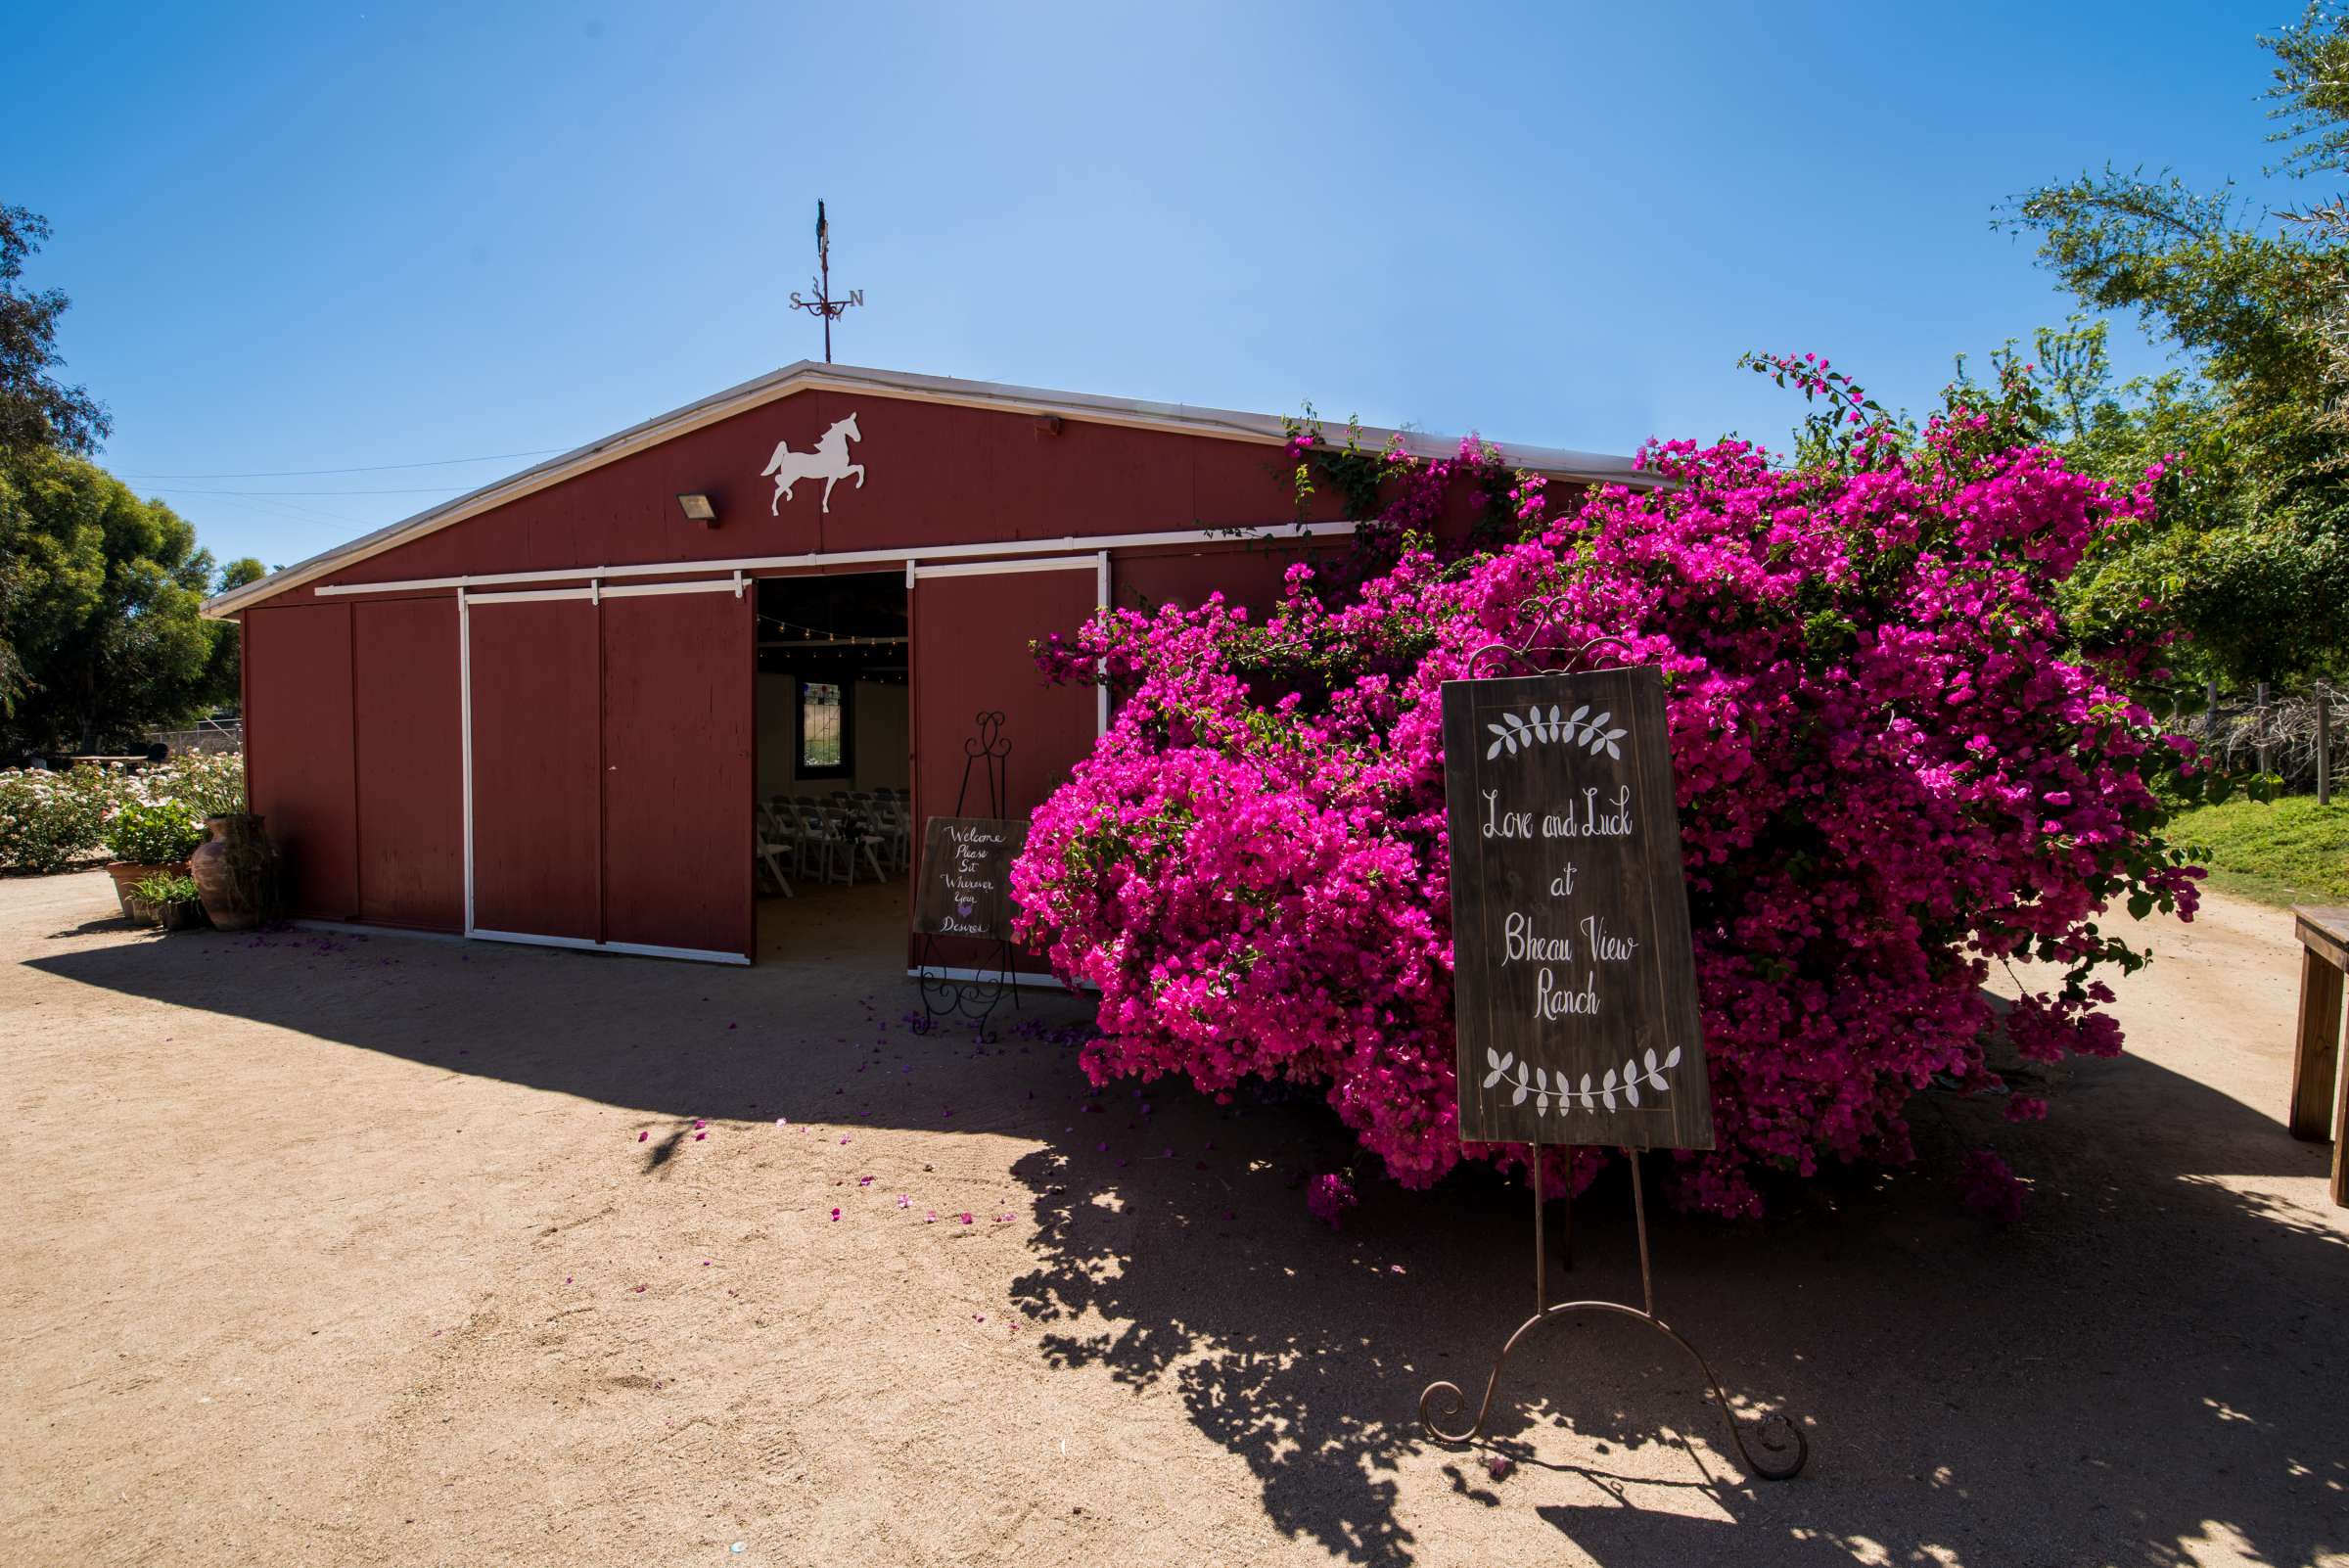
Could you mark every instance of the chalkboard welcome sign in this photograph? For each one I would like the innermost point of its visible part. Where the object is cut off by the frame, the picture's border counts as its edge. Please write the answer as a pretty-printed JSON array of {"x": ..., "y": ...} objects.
[
  {"x": 966, "y": 877},
  {"x": 1575, "y": 981}
]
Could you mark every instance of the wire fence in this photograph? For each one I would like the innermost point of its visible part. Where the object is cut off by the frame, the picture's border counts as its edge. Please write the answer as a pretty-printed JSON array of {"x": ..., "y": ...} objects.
[
  {"x": 209, "y": 735},
  {"x": 2301, "y": 737}
]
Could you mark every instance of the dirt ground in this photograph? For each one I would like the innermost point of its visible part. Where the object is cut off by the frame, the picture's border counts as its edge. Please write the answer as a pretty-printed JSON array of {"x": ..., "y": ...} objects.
[{"x": 333, "y": 1250}]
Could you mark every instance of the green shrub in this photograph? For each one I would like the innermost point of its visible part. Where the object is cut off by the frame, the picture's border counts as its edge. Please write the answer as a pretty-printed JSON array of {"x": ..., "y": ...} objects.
[
  {"x": 158, "y": 833},
  {"x": 165, "y": 887}
]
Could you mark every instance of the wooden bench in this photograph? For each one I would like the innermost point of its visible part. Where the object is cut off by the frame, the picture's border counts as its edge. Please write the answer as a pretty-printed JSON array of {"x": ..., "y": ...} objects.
[{"x": 2318, "y": 1110}]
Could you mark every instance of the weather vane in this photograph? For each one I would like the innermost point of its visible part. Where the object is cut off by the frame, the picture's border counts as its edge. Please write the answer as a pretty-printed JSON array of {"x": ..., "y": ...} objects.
[{"x": 823, "y": 304}]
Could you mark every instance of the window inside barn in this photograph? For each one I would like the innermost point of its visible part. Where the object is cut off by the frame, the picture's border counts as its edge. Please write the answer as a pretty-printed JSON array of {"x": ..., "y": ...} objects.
[{"x": 824, "y": 727}]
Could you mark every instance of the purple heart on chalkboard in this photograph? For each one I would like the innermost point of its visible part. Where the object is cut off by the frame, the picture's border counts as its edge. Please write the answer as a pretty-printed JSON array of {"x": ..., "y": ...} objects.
[{"x": 963, "y": 908}]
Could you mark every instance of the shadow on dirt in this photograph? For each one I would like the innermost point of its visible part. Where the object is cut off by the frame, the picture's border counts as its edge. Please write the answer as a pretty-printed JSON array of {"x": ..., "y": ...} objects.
[{"x": 2151, "y": 1360}]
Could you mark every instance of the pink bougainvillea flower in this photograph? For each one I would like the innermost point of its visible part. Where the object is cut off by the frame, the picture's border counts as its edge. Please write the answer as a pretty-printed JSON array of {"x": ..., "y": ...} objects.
[
  {"x": 1990, "y": 1189},
  {"x": 964, "y": 1216},
  {"x": 641, "y": 1136},
  {"x": 864, "y": 1182},
  {"x": 698, "y": 1137},
  {"x": 1328, "y": 1196},
  {"x": 905, "y": 1201},
  {"x": 699, "y": 1124},
  {"x": 930, "y": 1218},
  {"x": 836, "y": 1213}
]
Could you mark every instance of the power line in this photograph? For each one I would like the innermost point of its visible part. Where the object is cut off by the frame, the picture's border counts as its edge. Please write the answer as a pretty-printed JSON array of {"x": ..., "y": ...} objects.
[
  {"x": 377, "y": 467},
  {"x": 428, "y": 489}
]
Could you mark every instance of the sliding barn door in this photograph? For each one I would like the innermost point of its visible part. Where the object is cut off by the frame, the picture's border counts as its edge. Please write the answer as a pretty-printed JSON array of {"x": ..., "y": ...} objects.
[
  {"x": 678, "y": 797},
  {"x": 536, "y": 828},
  {"x": 972, "y": 625},
  {"x": 608, "y": 746}
]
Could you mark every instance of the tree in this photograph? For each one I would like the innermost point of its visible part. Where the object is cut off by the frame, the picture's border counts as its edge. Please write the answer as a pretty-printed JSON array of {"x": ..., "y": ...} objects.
[
  {"x": 36, "y": 411},
  {"x": 2251, "y": 551},
  {"x": 104, "y": 593},
  {"x": 100, "y": 635}
]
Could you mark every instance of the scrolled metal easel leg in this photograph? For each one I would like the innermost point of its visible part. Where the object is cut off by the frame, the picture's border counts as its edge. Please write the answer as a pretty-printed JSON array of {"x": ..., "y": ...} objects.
[{"x": 1776, "y": 1436}]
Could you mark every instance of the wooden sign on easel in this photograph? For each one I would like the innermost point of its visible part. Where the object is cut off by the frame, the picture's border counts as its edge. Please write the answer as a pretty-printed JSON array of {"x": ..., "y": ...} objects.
[{"x": 1575, "y": 977}]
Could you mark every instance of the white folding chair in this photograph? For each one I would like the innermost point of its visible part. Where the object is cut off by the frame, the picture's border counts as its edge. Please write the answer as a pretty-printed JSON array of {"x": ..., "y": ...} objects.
[{"x": 772, "y": 845}]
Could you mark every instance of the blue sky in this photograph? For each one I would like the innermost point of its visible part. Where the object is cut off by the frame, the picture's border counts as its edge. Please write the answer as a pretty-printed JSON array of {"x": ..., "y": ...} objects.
[{"x": 324, "y": 237}]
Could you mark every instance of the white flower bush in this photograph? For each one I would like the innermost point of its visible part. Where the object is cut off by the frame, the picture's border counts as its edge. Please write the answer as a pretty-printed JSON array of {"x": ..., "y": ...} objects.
[{"x": 49, "y": 821}]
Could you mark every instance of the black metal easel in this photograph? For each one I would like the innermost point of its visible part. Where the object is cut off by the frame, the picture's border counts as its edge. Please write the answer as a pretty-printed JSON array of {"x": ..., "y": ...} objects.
[
  {"x": 1440, "y": 1402},
  {"x": 943, "y": 994}
]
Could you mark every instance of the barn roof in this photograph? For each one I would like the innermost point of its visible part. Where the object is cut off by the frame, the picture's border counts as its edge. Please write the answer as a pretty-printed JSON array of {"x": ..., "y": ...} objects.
[{"x": 809, "y": 375}]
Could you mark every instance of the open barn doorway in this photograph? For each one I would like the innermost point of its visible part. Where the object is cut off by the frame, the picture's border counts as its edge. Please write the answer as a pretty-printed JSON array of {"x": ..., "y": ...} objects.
[{"x": 833, "y": 813}]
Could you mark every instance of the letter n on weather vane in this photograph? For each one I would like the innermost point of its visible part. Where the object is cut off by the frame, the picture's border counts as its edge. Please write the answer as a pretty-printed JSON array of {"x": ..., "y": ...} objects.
[{"x": 1574, "y": 979}]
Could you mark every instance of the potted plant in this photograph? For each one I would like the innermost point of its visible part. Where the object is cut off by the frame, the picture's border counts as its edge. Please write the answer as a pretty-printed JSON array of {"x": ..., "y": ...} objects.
[
  {"x": 145, "y": 839},
  {"x": 172, "y": 895}
]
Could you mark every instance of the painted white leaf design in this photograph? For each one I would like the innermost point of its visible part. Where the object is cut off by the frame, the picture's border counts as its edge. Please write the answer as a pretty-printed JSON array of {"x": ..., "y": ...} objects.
[
  {"x": 1631, "y": 1093},
  {"x": 1518, "y": 1098},
  {"x": 1493, "y": 1077},
  {"x": 1651, "y": 1057},
  {"x": 1513, "y": 721},
  {"x": 1608, "y": 1096},
  {"x": 1610, "y": 1080},
  {"x": 1673, "y": 1058},
  {"x": 1492, "y": 751},
  {"x": 1612, "y": 752}
]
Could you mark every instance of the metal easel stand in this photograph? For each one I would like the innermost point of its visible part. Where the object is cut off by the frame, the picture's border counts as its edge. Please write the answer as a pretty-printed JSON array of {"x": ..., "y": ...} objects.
[
  {"x": 945, "y": 995},
  {"x": 1442, "y": 1402}
]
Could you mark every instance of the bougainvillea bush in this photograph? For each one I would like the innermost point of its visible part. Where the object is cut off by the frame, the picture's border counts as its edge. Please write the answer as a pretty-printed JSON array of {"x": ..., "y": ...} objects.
[{"x": 1897, "y": 768}]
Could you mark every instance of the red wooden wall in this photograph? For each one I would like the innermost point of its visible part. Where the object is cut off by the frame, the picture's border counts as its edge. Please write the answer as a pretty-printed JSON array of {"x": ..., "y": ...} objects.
[
  {"x": 409, "y": 773},
  {"x": 935, "y": 473},
  {"x": 298, "y": 750}
]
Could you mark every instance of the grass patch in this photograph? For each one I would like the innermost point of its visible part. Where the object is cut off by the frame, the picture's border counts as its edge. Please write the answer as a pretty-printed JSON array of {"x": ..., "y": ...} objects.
[{"x": 2291, "y": 851}]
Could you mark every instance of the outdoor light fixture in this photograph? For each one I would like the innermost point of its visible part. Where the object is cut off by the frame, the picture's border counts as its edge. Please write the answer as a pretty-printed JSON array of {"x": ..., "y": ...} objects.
[{"x": 697, "y": 509}]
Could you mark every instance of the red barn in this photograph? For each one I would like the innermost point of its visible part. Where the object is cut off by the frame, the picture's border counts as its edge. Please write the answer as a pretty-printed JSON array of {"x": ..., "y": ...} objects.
[{"x": 551, "y": 710}]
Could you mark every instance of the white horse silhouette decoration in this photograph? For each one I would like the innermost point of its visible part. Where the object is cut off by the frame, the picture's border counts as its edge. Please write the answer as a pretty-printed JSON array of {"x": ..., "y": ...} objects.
[{"x": 829, "y": 462}]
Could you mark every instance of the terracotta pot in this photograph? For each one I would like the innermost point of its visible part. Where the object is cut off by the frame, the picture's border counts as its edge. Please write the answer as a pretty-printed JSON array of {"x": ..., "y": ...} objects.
[
  {"x": 236, "y": 873},
  {"x": 128, "y": 874}
]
